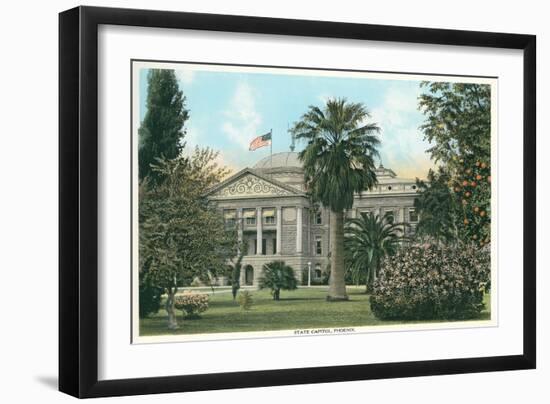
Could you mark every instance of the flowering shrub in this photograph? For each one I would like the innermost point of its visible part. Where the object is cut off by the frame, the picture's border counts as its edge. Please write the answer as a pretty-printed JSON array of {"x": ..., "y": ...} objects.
[
  {"x": 192, "y": 304},
  {"x": 432, "y": 282}
]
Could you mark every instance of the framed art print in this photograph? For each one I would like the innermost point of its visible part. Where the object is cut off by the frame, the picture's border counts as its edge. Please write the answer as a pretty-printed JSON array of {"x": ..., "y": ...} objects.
[{"x": 269, "y": 201}]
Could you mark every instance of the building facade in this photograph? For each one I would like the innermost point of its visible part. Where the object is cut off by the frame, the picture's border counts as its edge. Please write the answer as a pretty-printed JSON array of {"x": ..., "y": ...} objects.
[{"x": 275, "y": 219}]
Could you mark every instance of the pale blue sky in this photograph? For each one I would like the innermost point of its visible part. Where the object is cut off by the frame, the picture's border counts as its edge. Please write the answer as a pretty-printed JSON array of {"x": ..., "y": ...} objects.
[{"x": 228, "y": 109}]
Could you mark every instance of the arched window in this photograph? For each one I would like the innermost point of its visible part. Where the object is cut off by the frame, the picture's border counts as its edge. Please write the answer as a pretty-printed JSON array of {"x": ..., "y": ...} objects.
[{"x": 318, "y": 272}]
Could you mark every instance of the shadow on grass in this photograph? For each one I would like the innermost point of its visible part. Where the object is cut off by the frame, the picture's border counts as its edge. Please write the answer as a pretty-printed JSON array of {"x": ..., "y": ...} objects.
[{"x": 292, "y": 299}]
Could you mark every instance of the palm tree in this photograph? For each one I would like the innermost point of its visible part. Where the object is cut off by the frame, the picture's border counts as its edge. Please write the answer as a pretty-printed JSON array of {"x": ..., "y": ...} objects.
[
  {"x": 338, "y": 162},
  {"x": 276, "y": 276},
  {"x": 370, "y": 238}
]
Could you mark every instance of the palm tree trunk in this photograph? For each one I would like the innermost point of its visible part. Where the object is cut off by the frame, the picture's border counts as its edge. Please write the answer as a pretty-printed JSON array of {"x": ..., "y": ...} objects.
[
  {"x": 337, "y": 286},
  {"x": 369, "y": 279}
]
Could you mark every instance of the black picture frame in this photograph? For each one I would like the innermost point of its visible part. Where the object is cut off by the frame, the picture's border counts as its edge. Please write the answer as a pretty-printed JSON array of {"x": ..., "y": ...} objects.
[{"x": 78, "y": 200}]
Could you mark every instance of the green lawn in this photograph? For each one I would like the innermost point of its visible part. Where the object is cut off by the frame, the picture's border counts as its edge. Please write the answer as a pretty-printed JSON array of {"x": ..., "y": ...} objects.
[{"x": 299, "y": 309}]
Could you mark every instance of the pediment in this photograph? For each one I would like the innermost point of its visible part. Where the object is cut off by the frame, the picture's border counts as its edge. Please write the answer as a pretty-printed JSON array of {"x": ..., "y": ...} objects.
[{"x": 250, "y": 185}]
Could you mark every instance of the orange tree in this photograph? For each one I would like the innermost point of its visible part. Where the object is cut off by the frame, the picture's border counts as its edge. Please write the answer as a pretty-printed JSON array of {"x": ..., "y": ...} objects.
[
  {"x": 458, "y": 126},
  {"x": 472, "y": 187}
]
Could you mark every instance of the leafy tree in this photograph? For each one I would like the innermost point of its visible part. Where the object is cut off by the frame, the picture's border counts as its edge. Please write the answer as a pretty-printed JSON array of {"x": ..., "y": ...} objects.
[
  {"x": 457, "y": 122},
  {"x": 182, "y": 237},
  {"x": 162, "y": 131},
  {"x": 338, "y": 162},
  {"x": 436, "y": 207},
  {"x": 234, "y": 272},
  {"x": 149, "y": 296},
  {"x": 458, "y": 125},
  {"x": 369, "y": 239},
  {"x": 278, "y": 276}
]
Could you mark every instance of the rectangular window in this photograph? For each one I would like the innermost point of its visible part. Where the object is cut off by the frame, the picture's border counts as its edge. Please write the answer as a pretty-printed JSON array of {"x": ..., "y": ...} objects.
[
  {"x": 269, "y": 216},
  {"x": 249, "y": 216},
  {"x": 318, "y": 246},
  {"x": 264, "y": 246},
  {"x": 274, "y": 240},
  {"x": 230, "y": 217},
  {"x": 269, "y": 220},
  {"x": 318, "y": 218},
  {"x": 413, "y": 216},
  {"x": 255, "y": 243}
]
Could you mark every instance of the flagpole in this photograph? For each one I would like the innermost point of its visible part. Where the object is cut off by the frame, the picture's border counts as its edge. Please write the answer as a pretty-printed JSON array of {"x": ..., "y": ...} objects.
[{"x": 271, "y": 150}]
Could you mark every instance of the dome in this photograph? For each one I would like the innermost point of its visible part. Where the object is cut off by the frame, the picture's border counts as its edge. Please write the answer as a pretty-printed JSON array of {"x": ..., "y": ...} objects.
[{"x": 279, "y": 160}]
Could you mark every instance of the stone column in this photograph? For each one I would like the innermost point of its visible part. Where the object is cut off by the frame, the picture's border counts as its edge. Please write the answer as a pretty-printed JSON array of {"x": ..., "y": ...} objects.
[
  {"x": 259, "y": 231},
  {"x": 401, "y": 218},
  {"x": 279, "y": 230},
  {"x": 299, "y": 228},
  {"x": 240, "y": 225}
]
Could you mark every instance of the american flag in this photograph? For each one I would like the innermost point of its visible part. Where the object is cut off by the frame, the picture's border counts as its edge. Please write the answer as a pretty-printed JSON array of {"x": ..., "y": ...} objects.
[{"x": 260, "y": 141}]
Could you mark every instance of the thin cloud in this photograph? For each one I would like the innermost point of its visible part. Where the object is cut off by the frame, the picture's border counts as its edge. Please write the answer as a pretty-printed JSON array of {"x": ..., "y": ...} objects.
[
  {"x": 185, "y": 77},
  {"x": 191, "y": 139},
  {"x": 402, "y": 146},
  {"x": 243, "y": 120}
]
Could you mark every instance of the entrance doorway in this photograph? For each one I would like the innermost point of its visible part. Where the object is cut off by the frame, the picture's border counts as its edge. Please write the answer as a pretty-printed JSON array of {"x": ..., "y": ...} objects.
[{"x": 248, "y": 275}]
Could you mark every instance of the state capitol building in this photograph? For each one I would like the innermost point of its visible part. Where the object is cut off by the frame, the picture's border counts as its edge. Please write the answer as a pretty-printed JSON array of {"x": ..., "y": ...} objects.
[{"x": 276, "y": 220}]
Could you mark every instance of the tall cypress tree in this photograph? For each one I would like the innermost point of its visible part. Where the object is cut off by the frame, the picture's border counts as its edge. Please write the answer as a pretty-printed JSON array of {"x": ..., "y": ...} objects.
[{"x": 162, "y": 131}]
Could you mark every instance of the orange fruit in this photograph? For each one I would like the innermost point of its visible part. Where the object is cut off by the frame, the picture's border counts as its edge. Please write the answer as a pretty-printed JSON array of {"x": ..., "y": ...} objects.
[
  {"x": 489, "y": 178},
  {"x": 464, "y": 183},
  {"x": 476, "y": 209},
  {"x": 457, "y": 189},
  {"x": 478, "y": 177},
  {"x": 466, "y": 221},
  {"x": 477, "y": 163},
  {"x": 473, "y": 183},
  {"x": 483, "y": 165},
  {"x": 475, "y": 236},
  {"x": 467, "y": 194},
  {"x": 482, "y": 213}
]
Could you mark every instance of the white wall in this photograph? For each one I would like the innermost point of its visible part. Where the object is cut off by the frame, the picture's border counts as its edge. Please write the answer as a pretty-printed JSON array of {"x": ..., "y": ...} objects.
[{"x": 28, "y": 201}]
